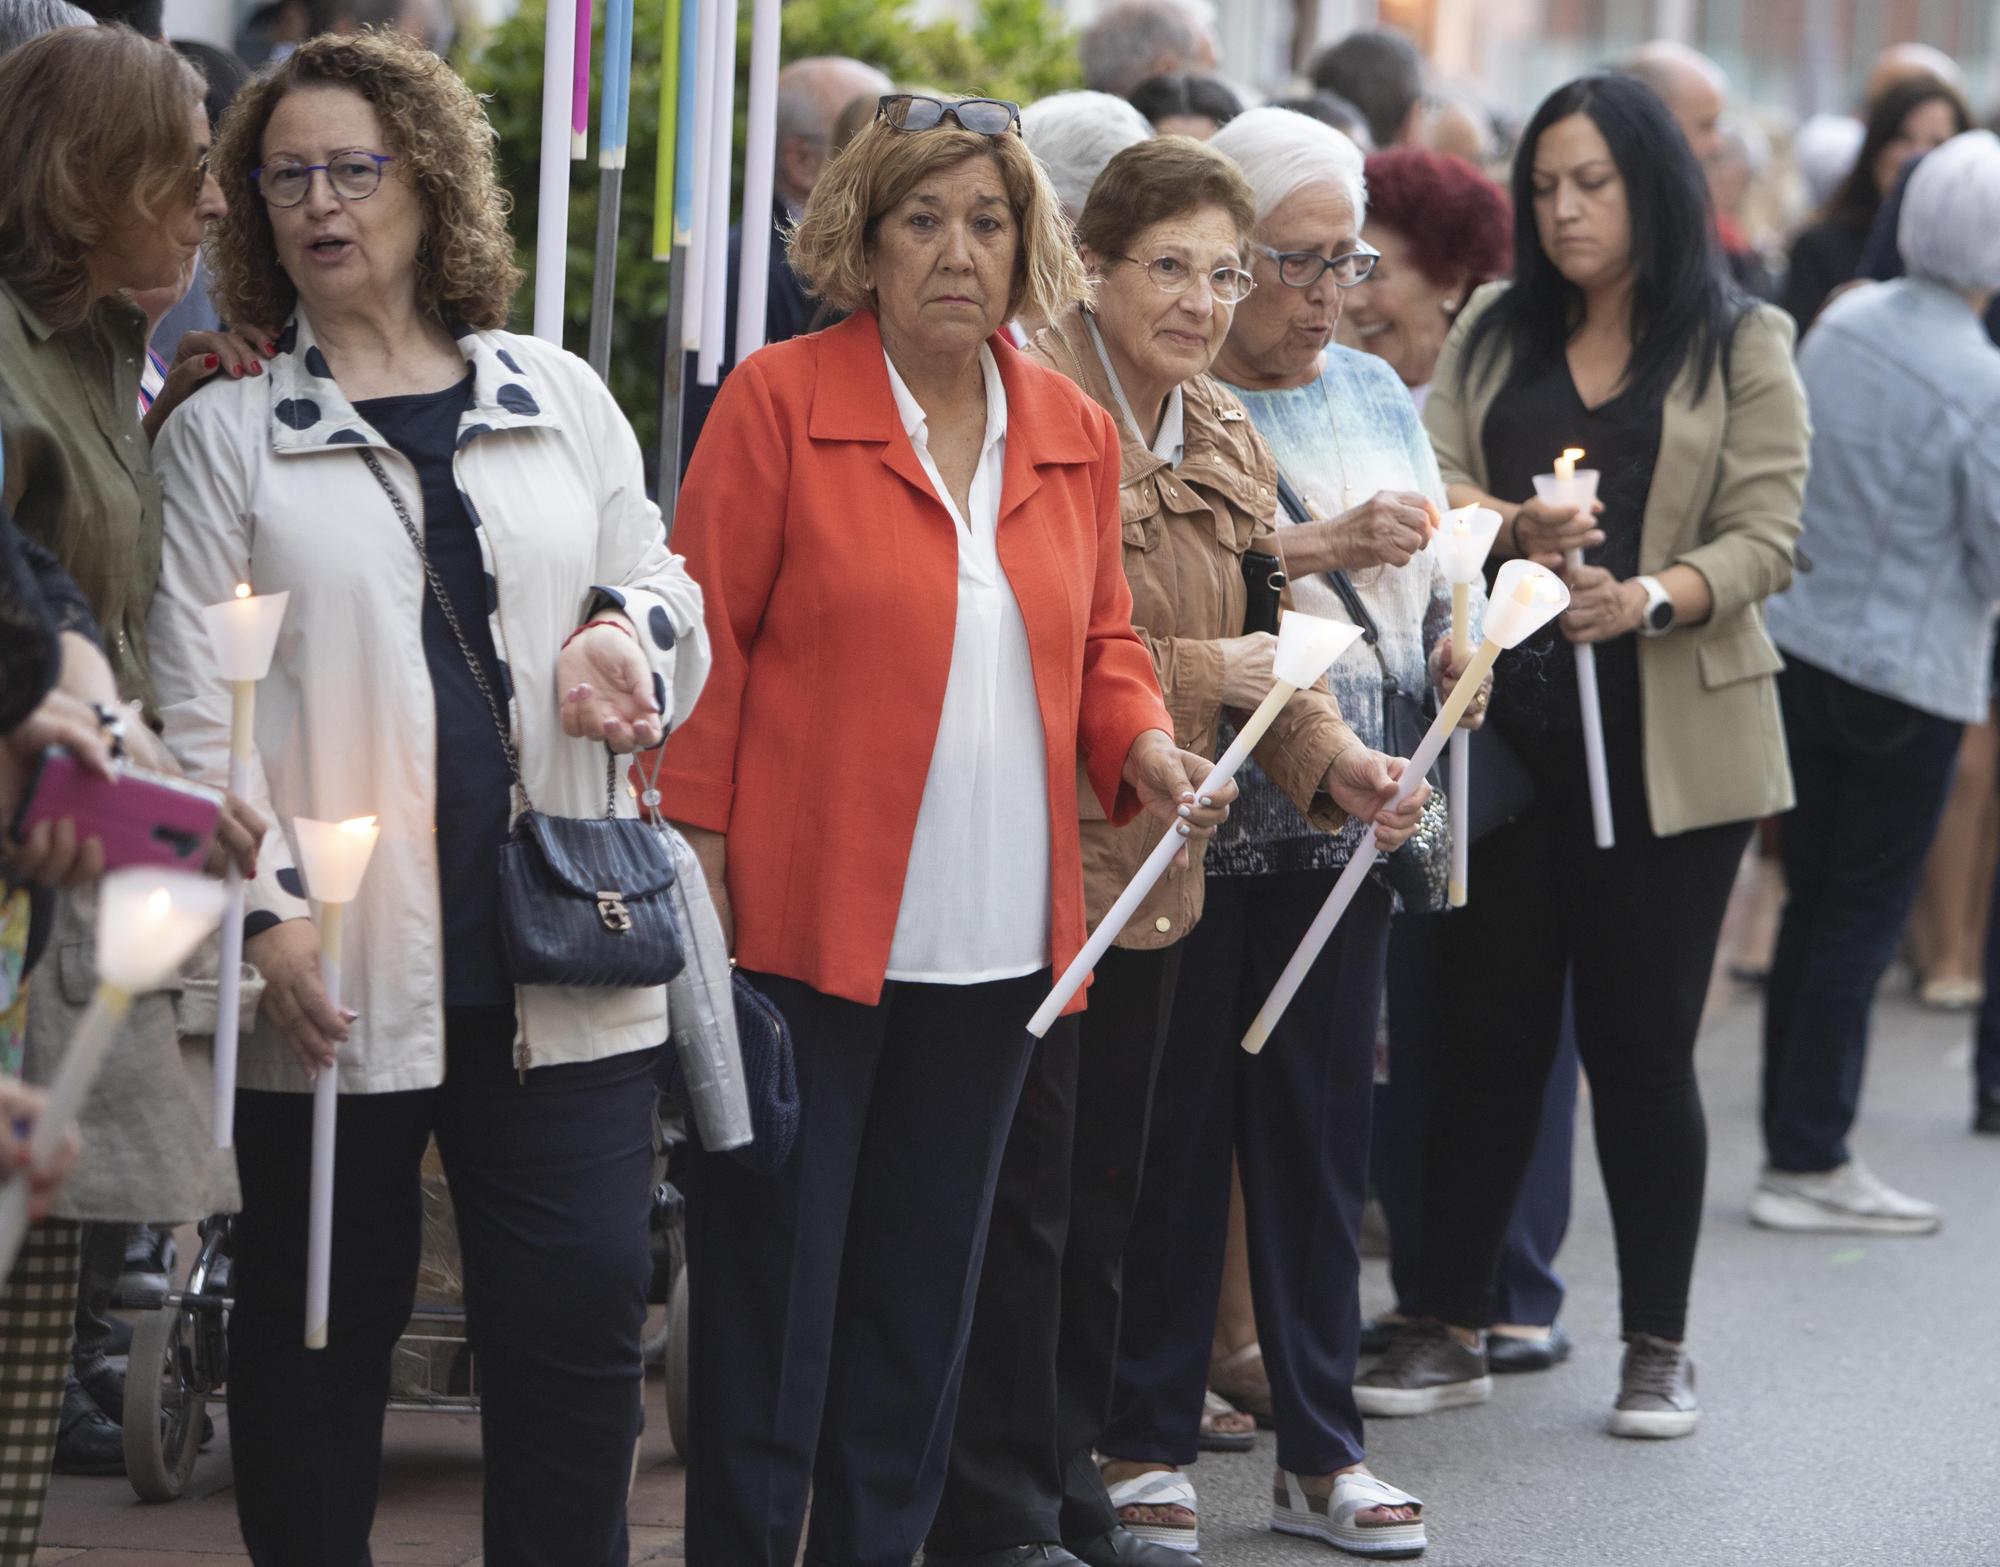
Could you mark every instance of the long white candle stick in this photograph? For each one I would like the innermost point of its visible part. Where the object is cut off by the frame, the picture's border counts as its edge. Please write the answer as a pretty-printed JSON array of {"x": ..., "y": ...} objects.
[
  {"x": 1460, "y": 792},
  {"x": 325, "y": 1124},
  {"x": 1525, "y": 597},
  {"x": 1307, "y": 648},
  {"x": 242, "y": 633},
  {"x": 334, "y": 856},
  {"x": 552, "y": 211},
  {"x": 1461, "y": 546},
  {"x": 760, "y": 148},
  {"x": 148, "y": 924},
  {"x": 1575, "y": 489}
]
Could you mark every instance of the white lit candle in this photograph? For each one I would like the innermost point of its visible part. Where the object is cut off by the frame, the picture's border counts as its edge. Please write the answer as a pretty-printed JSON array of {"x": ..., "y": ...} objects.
[
  {"x": 1575, "y": 489},
  {"x": 243, "y": 633},
  {"x": 1307, "y": 648},
  {"x": 148, "y": 924},
  {"x": 1525, "y": 598},
  {"x": 334, "y": 857},
  {"x": 1462, "y": 545}
]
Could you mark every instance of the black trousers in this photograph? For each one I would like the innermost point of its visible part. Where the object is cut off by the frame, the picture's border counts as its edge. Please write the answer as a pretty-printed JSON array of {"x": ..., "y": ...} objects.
[
  {"x": 1634, "y": 928},
  {"x": 830, "y": 1303},
  {"x": 1527, "y": 1289},
  {"x": 1296, "y": 1118},
  {"x": 551, "y": 1180},
  {"x": 1873, "y": 775},
  {"x": 1045, "y": 1334}
]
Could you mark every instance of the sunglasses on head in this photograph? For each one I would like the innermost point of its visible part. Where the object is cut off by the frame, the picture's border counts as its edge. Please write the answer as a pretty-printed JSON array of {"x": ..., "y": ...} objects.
[{"x": 908, "y": 111}]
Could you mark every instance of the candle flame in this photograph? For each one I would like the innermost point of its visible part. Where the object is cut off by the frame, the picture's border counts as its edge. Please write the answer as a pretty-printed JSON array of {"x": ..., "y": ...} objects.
[
  {"x": 1573, "y": 454},
  {"x": 159, "y": 903},
  {"x": 360, "y": 826},
  {"x": 243, "y": 590}
]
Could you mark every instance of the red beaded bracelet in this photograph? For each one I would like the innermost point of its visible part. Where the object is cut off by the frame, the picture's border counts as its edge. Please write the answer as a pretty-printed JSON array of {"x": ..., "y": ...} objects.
[{"x": 580, "y": 630}]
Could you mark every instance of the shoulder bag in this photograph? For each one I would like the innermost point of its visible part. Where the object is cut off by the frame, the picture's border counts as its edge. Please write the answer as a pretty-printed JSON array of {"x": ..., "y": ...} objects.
[{"x": 583, "y": 901}]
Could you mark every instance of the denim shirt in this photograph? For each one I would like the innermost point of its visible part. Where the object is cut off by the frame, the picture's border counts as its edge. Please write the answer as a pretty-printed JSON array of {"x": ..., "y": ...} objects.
[{"x": 1902, "y": 509}]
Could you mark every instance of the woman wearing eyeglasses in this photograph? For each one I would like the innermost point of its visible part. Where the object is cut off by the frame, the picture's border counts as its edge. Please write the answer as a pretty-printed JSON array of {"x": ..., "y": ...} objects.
[
  {"x": 476, "y": 575},
  {"x": 1343, "y": 431},
  {"x": 907, "y": 536},
  {"x": 1164, "y": 237}
]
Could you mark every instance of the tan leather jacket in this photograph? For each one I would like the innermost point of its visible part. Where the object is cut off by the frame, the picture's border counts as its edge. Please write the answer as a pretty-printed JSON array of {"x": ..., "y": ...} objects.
[{"x": 1186, "y": 529}]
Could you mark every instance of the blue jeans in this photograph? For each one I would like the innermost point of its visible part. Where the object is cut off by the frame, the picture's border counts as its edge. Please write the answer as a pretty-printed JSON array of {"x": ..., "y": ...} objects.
[{"x": 1872, "y": 775}]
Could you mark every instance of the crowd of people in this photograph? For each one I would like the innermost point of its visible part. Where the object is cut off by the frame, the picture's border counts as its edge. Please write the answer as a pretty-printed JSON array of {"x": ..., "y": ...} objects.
[{"x": 976, "y": 568}]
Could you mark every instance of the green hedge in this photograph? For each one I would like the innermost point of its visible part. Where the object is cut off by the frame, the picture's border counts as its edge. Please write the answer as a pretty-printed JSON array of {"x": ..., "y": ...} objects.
[{"x": 1014, "y": 49}]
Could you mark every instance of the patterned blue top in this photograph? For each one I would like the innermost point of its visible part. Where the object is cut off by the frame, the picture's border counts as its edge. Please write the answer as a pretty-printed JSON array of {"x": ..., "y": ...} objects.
[{"x": 1340, "y": 440}]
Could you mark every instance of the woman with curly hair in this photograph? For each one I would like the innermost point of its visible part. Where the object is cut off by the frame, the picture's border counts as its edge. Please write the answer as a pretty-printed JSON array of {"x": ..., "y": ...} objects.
[{"x": 426, "y": 678}]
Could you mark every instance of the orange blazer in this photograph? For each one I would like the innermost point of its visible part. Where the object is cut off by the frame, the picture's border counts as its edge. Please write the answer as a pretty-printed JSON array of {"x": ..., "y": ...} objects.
[{"x": 829, "y": 570}]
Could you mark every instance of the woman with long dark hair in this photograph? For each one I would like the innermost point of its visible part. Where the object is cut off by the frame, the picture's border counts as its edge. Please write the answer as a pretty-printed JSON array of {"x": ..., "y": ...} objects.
[
  {"x": 1622, "y": 335},
  {"x": 1904, "y": 123}
]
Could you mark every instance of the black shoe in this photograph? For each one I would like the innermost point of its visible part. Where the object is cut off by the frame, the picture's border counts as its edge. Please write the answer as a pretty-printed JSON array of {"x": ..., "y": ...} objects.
[
  {"x": 1011, "y": 1556},
  {"x": 1120, "y": 1547},
  {"x": 148, "y": 1272},
  {"x": 105, "y": 1384},
  {"x": 1986, "y": 1114},
  {"x": 88, "y": 1441},
  {"x": 1505, "y": 1353}
]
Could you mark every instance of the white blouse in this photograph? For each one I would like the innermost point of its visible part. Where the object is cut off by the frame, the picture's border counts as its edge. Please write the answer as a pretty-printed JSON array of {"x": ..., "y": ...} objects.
[{"x": 976, "y": 896}]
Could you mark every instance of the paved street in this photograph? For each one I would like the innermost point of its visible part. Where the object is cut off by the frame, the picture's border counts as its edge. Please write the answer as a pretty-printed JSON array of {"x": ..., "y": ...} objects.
[{"x": 1852, "y": 1400}]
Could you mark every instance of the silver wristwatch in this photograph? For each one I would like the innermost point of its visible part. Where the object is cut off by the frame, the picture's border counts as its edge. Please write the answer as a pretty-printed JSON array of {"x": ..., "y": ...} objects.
[{"x": 1658, "y": 618}]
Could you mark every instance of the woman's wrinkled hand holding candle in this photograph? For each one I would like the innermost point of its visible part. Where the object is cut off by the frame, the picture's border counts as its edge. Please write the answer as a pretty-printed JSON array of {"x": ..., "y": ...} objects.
[
  {"x": 1308, "y": 646},
  {"x": 1525, "y": 598}
]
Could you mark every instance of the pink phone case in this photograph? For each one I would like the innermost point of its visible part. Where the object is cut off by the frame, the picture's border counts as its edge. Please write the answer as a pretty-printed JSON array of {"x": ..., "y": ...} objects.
[{"x": 141, "y": 818}]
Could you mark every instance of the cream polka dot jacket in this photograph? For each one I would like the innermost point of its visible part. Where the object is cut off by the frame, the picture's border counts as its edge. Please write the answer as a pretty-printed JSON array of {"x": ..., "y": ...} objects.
[{"x": 262, "y": 486}]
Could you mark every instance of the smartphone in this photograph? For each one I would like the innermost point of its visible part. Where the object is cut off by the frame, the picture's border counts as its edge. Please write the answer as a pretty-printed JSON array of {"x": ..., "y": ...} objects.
[{"x": 141, "y": 818}]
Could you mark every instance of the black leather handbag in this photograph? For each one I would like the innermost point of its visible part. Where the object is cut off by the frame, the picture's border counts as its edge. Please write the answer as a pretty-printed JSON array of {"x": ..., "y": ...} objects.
[
  {"x": 583, "y": 901},
  {"x": 1264, "y": 584}
]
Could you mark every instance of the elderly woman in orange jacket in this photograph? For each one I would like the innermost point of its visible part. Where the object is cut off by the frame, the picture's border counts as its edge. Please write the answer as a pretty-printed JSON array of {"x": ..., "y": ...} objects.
[{"x": 908, "y": 540}]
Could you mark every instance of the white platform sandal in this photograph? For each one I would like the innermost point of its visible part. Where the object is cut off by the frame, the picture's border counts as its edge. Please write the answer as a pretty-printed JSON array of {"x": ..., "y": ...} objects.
[
  {"x": 1158, "y": 1488},
  {"x": 1331, "y": 1519}
]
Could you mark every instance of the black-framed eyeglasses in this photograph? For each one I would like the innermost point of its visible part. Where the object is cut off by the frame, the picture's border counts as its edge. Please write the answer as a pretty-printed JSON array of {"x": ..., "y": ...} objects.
[
  {"x": 354, "y": 175},
  {"x": 909, "y": 111},
  {"x": 1303, "y": 268},
  {"x": 1174, "y": 275}
]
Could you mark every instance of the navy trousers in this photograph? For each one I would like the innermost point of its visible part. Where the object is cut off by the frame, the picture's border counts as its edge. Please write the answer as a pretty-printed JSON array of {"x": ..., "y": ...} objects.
[
  {"x": 1296, "y": 1117},
  {"x": 830, "y": 1303},
  {"x": 1044, "y": 1338},
  {"x": 1527, "y": 1291},
  {"x": 1872, "y": 776},
  {"x": 551, "y": 1181}
]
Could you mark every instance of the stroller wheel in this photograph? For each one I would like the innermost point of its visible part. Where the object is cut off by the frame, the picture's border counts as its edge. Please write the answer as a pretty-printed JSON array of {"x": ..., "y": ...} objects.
[{"x": 163, "y": 1405}]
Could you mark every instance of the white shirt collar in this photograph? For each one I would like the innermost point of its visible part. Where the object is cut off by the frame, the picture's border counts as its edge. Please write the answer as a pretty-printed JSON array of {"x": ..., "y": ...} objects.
[
  {"x": 917, "y": 426},
  {"x": 1170, "y": 445}
]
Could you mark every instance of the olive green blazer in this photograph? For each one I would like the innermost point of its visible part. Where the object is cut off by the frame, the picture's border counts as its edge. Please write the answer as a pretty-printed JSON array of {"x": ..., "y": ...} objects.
[{"x": 1725, "y": 499}]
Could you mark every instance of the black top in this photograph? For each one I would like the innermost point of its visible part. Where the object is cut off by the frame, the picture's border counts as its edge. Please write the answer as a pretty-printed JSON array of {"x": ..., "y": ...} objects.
[
  {"x": 1823, "y": 257},
  {"x": 1536, "y": 415},
  {"x": 473, "y": 786}
]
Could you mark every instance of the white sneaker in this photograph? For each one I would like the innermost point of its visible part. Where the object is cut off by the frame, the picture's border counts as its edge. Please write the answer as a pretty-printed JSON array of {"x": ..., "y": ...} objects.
[{"x": 1850, "y": 1200}]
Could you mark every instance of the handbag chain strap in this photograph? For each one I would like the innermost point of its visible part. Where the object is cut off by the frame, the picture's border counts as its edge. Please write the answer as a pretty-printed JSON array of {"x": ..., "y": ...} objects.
[
  {"x": 1350, "y": 596},
  {"x": 465, "y": 647}
]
